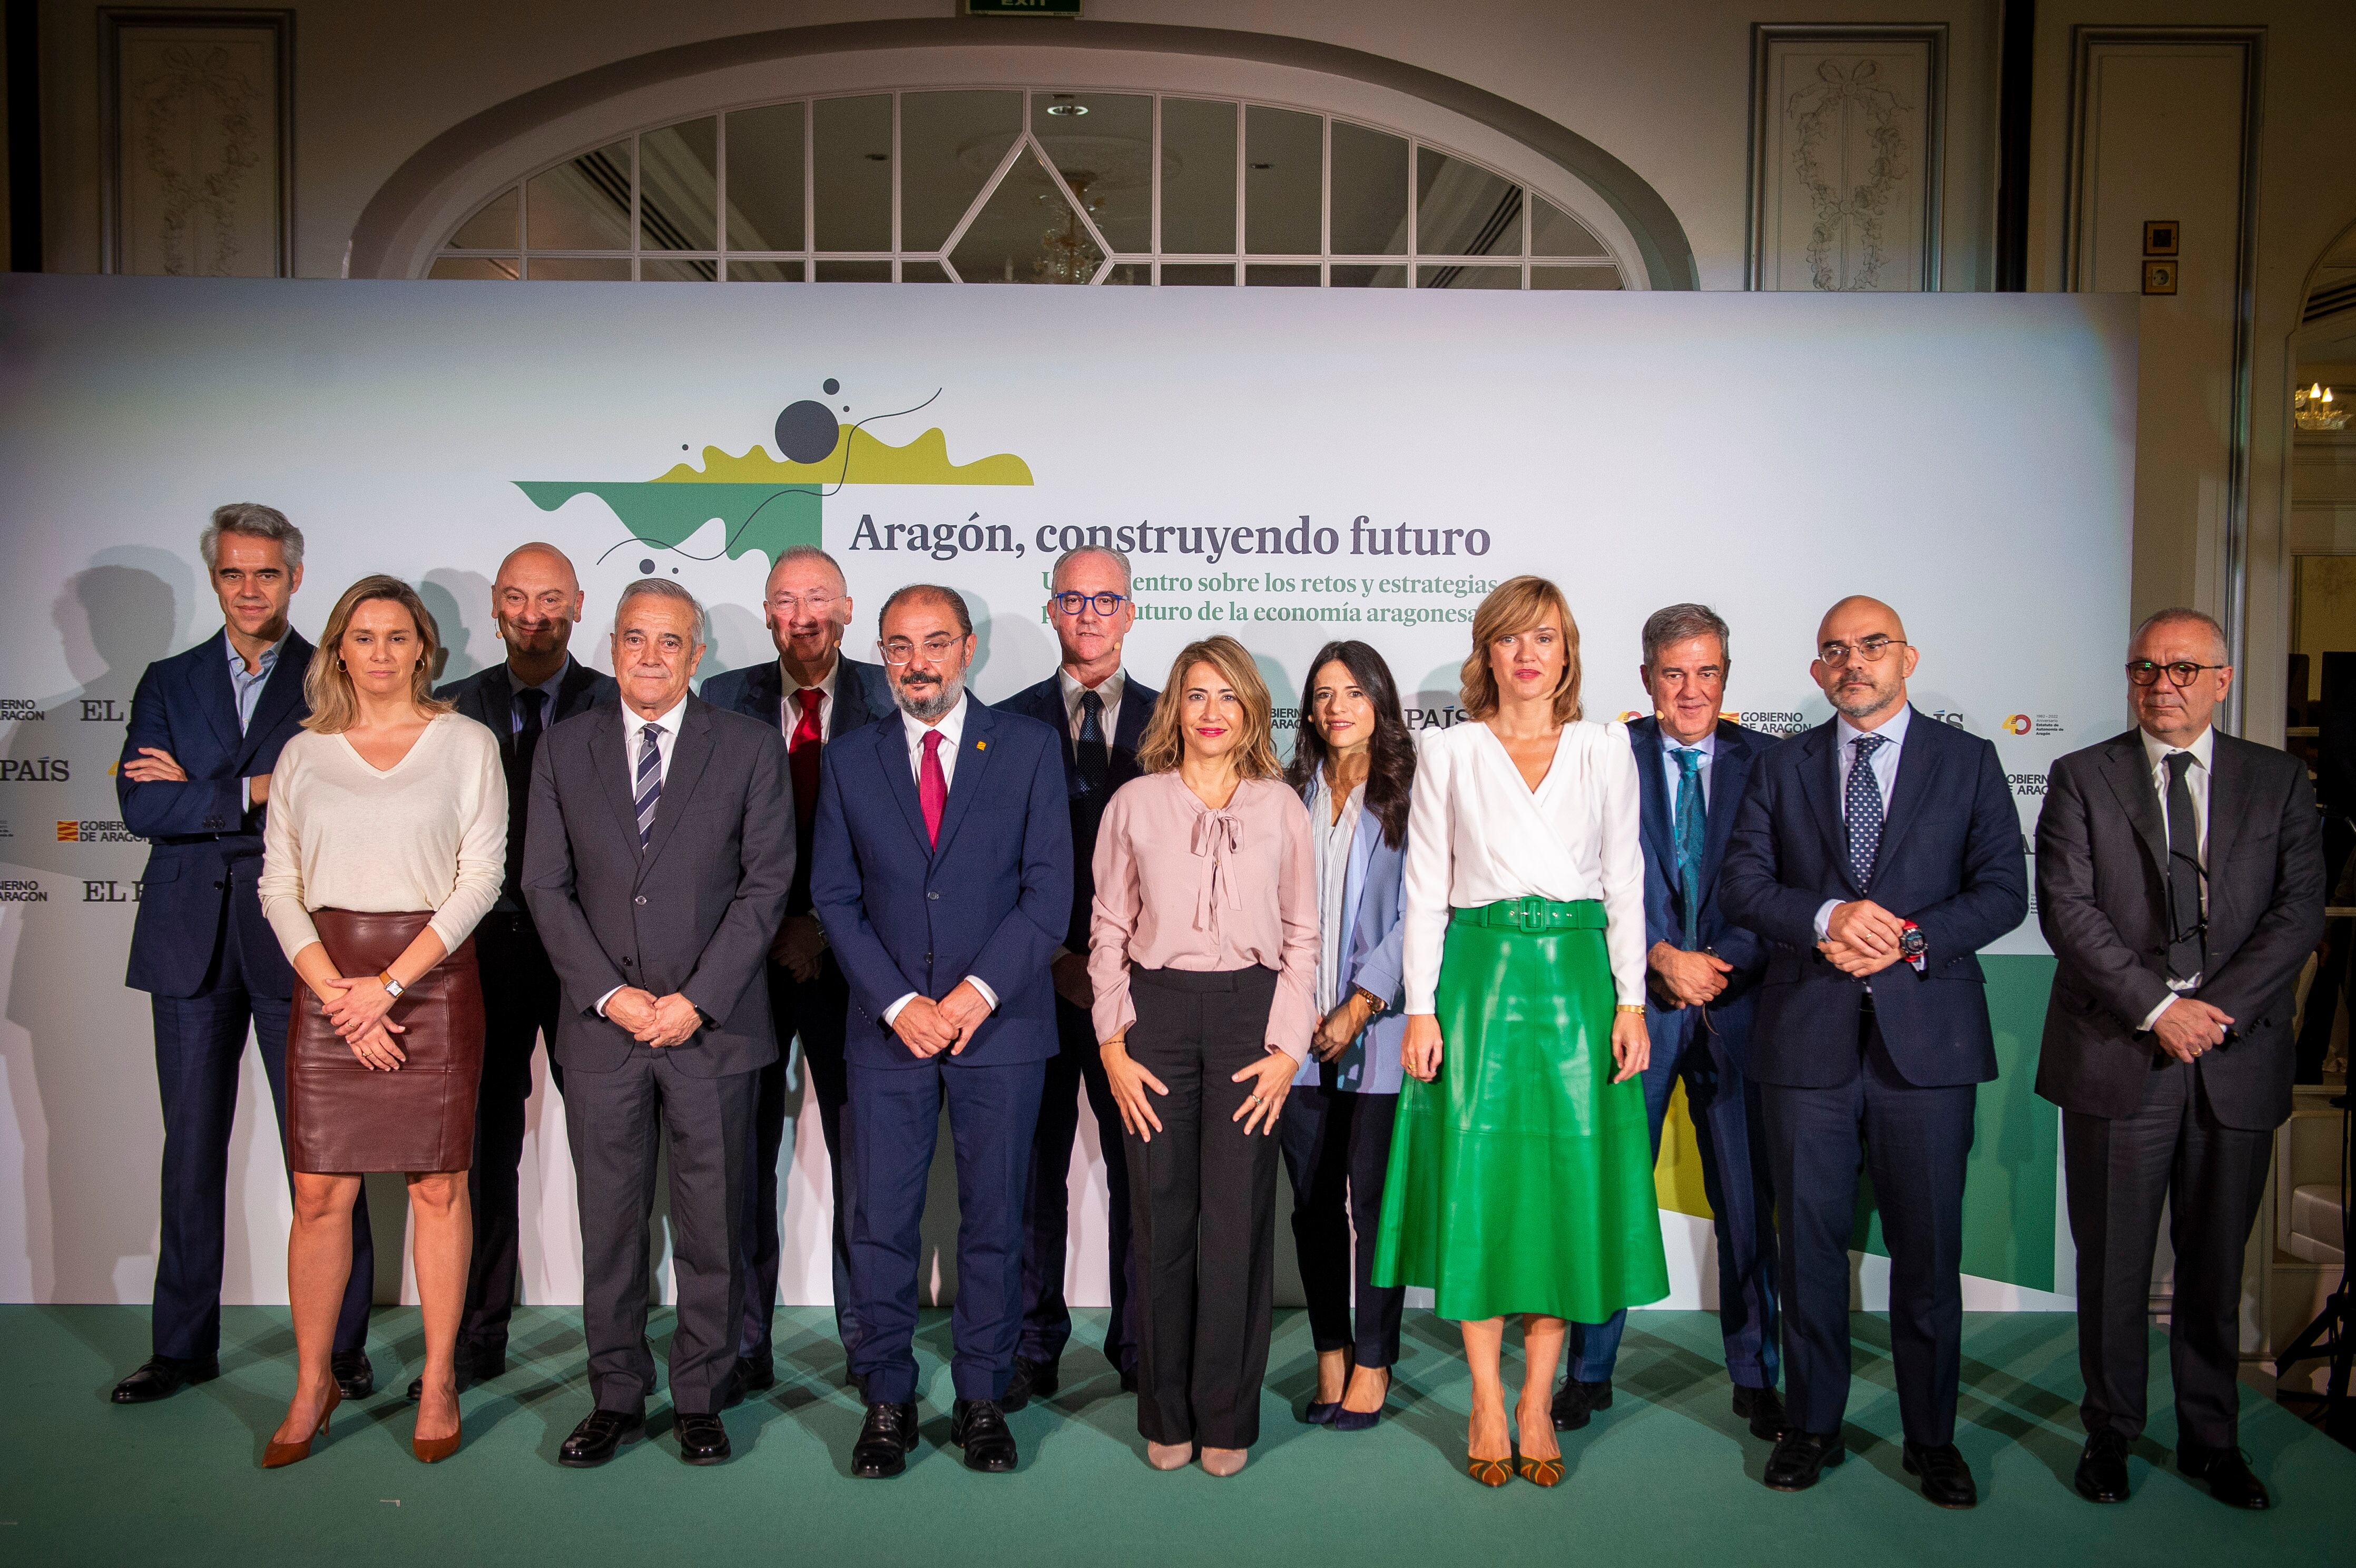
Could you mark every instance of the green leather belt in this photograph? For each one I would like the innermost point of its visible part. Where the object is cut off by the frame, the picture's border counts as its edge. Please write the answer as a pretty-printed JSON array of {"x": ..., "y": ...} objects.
[{"x": 1534, "y": 914}]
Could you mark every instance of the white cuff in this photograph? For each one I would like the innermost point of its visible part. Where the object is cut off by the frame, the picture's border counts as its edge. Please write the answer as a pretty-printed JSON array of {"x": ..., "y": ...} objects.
[
  {"x": 894, "y": 1011},
  {"x": 983, "y": 986},
  {"x": 608, "y": 997},
  {"x": 1825, "y": 919},
  {"x": 2153, "y": 1017}
]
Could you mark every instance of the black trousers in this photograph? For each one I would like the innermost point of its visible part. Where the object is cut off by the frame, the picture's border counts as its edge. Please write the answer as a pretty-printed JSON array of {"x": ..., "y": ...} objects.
[
  {"x": 1914, "y": 1142},
  {"x": 1204, "y": 1201},
  {"x": 1075, "y": 1070},
  {"x": 1337, "y": 1149},
  {"x": 616, "y": 1122},
  {"x": 520, "y": 1000},
  {"x": 199, "y": 1049},
  {"x": 2211, "y": 1177},
  {"x": 816, "y": 1010}
]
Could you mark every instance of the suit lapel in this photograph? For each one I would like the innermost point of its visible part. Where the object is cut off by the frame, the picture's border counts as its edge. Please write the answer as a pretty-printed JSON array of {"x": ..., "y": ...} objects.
[
  {"x": 1915, "y": 766},
  {"x": 2128, "y": 773},
  {"x": 573, "y": 692},
  {"x": 2226, "y": 794},
  {"x": 216, "y": 696},
  {"x": 1821, "y": 760},
  {"x": 494, "y": 708},
  {"x": 1727, "y": 774},
  {"x": 764, "y": 690},
  {"x": 891, "y": 754},
  {"x": 1353, "y": 882},
  {"x": 689, "y": 754},
  {"x": 1654, "y": 808},
  {"x": 973, "y": 761},
  {"x": 610, "y": 757}
]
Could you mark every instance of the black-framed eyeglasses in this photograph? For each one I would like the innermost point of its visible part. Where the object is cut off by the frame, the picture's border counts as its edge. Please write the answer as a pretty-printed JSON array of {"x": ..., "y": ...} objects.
[
  {"x": 1072, "y": 603},
  {"x": 2180, "y": 674},
  {"x": 1870, "y": 650}
]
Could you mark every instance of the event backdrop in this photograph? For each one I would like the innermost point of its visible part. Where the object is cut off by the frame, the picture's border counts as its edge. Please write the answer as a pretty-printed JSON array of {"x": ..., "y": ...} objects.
[{"x": 1287, "y": 466}]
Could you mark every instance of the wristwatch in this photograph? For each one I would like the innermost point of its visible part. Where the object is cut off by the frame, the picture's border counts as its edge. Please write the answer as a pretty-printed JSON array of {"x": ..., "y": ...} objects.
[
  {"x": 1912, "y": 943},
  {"x": 393, "y": 987}
]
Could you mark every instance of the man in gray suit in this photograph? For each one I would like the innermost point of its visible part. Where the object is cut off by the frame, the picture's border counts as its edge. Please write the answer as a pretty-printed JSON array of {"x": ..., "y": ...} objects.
[
  {"x": 2180, "y": 883},
  {"x": 659, "y": 854}
]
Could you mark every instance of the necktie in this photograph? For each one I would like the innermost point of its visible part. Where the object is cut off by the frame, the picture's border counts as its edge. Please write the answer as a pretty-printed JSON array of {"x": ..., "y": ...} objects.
[
  {"x": 649, "y": 784},
  {"x": 2188, "y": 930},
  {"x": 932, "y": 788},
  {"x": 1090, "y": 763},
  {"x": 1864, "y": 809},
  {"x": 802, "y": 754},
  {"x": 1690, "y": 839},
  {"x": 525, "y": 744}
]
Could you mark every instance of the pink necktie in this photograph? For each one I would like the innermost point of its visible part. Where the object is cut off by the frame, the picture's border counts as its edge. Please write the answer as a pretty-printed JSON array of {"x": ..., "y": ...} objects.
[{"x": 932, "y": 788}]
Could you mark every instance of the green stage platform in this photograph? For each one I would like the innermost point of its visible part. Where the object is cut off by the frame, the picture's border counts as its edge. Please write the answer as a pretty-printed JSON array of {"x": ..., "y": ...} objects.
[{"x": 1666, "y": 1476}]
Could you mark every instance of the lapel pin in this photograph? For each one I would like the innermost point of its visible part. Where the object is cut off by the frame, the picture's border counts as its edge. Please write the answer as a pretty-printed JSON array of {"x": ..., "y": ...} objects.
[{"x": 982, "y": 745}]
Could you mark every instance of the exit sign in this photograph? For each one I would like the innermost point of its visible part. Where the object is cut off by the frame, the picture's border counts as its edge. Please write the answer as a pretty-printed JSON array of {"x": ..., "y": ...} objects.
[{"x": 1022, "y": 8}]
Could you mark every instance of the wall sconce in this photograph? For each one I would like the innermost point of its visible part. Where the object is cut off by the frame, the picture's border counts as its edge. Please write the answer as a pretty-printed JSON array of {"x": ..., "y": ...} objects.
[{"x": 2316, "y": 408}]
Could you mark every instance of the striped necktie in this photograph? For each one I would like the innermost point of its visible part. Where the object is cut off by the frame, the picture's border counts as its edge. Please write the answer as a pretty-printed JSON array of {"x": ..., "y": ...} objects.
[{"x": 650, "y": 783}]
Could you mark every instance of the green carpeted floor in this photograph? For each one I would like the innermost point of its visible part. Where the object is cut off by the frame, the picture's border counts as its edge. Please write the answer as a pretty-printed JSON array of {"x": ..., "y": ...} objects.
[{"x": 1668, "y": 1474}]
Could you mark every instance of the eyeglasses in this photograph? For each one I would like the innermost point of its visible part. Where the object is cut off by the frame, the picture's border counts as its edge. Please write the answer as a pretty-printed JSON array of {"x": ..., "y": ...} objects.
[
  {"x": 899, "y": 650},
  {"x": 817, "y": 604},
  {"x": 1870, "y": 650},
  {"x": 2182, "y": 673},
  {"x": 1072, "y": 604}
]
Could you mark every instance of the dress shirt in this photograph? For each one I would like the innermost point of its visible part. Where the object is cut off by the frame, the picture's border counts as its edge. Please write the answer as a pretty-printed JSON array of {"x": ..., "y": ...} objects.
[
  {"x": 247, "y": 691},
  {"x": 952, "y": 728},
  {"x": 1180, "y": 885},
  {"x": 1884, "y": 763},
  {"x": 1108, "y": 691},
  {"x": 2196, "y": 784},
  {"x": 789, "y": 714},
  {"x": 1477, "y": 834},
  {"x": 634, "y": 737},
  {"x": 1334, "y": 842},
  {"x": 546, "y": 688},
  {"x": 1670, "y": 746}
]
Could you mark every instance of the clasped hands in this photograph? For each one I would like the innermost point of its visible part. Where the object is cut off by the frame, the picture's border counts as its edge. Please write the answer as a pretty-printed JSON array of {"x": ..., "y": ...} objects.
[
  {"x": 358, "y": 1008},
  {"x": 660, "y": 1022},
  {"x": 1688, "y": 979},
  {"x": 2188, "y": 1026},
  {"x": 1861, "y": 939},
  {"x": 928, "y": 1027}
]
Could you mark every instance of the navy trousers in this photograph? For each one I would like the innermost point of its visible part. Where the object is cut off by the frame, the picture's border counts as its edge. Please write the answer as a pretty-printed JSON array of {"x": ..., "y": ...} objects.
[
  {"x": 1337, "y": 1149},
  {"x": 1726, "y": 1117},
  {"x": 1076, "y": 1069},
  {"x": 520, "y": 1006},
  {"x": 1914, "y": 1142},
  {"x": 896, "y": 1116},
  {"x": 816, "y": 1011},
  {"x": 199, "y": 1042}
]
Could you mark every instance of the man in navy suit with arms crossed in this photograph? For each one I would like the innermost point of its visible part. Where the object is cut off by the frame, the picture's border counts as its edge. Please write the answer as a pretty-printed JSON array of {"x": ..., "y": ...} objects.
[
  {"x": 1877, "y": 854},
  {"x": 944, "y": 878}
]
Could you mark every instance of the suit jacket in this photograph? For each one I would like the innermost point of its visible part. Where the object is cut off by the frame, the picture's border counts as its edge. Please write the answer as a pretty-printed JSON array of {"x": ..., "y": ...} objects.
[
  {"x": 185, "y": 705},
  {"x": 1950, "y": 859},
  {"x": 1372, "y": 937},
  {"x": 2102, "y": 902},
  {"x": 1045, "y": 702},
  {"x": 992, "y": 899},
  {"x": 862, "y": 693},
  {"x": 1738, "y": 751},
  {"x": 487, "y": 697},
  {"x": 694, "y": 912}
]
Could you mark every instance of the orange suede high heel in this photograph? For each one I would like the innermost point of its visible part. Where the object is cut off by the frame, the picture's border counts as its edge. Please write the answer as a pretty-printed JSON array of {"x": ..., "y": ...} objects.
[
  {"x": 278, "y": 1455},
  {"x": 1541, "y": 1472},
  {"x": 432, "y": 1450},
  {"x": 1489, "y": 1472}
]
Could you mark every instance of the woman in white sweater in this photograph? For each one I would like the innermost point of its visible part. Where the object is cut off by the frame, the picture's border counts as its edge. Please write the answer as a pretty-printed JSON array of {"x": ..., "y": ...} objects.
[{"x": 386, "y": 842}]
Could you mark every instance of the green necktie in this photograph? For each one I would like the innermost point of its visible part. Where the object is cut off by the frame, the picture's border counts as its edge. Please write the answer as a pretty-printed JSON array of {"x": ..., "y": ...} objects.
[{"x": 1689, "y": 839}]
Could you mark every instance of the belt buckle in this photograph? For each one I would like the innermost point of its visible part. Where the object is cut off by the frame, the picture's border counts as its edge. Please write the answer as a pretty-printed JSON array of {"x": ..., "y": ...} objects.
[{"x": 1529, "y": 916}]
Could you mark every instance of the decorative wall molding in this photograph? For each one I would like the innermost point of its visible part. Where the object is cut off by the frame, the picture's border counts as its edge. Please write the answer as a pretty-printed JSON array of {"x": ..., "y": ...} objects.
[
  {"x": 198, "y": 109},
  {"x": 1848, "y": 149}
]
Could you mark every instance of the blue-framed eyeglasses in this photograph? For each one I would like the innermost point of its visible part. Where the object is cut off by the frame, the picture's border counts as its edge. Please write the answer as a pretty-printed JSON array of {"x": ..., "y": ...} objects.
[{"x": 1107, "y": 604}]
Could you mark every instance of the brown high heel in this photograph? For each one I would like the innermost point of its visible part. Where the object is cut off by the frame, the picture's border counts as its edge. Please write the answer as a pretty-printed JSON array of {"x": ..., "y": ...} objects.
[
  {"x": 1489, "y": 1472},
  {"x": 1541, "y": 1472},
  {"x": 278, "y": 1455},
  {"x": 432, "y": 1450}
]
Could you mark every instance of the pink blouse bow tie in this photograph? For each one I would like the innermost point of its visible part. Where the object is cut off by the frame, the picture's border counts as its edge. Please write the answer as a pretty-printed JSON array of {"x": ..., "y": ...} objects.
[{"x": 1217, "y": 834}]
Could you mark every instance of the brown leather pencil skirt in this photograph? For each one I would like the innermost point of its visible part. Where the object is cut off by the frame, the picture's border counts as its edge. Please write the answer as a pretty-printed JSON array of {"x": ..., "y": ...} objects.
[{"x": 343, "y": 1118}]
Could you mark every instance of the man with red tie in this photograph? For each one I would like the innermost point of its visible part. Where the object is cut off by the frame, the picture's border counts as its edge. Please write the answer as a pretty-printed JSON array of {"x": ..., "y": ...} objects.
[{"x": 815, "y": 695}]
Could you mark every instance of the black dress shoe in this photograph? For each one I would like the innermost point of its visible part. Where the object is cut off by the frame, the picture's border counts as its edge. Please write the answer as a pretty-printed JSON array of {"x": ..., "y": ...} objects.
[
  {"x": 353, "y": 1373},
  {"x": 2103, "y": 1469},
  {"x": 745, "y": 1378},
  {"x": 1946, "y": 1479},
  {"x": 161, "y": 1376},
  {"x": 1031, "y": 1378},
  {"x": 702, "y": 1439},
  {"x": 1800, "y": 1457},
  {"x": 2227, "y": 1471},
  {"x": 1765, "y": 1410},
  {"x": 885, "y": 1439},
  {"x": 1577, "y": 1403},
  {"x": 979, "y": 1427},
  {"x": 601, "y": 1432}
]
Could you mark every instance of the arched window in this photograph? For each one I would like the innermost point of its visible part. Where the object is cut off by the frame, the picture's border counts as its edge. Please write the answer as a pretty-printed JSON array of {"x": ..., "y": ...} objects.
[{"x": 1031, "y": 185}]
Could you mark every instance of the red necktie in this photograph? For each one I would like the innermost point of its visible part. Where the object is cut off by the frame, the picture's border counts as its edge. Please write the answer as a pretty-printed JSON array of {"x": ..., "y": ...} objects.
[
  {"x": 932, "y": 788},
  {"x": 801, "y": 755}
]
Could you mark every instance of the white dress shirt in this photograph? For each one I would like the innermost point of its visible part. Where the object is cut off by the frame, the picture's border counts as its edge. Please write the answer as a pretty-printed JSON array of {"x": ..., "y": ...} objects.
[
  {"x": 789, "y": 714},
  {"x": 1108, "y": 691},
  {"x": 1478, "y": 833},
  {"x": 952, "y": 728},
  {"x": 1670, "y": 746},
  {"x": 2196, "y": 784},
  {"x": 1884, "y": 763},
  {"x": 634, "y": 740},
  {"x": 1333, "y": 841}
]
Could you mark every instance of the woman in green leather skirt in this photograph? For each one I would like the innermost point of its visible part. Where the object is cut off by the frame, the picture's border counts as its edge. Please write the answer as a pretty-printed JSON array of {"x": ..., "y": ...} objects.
[{"x": 1521, "y": 1173}]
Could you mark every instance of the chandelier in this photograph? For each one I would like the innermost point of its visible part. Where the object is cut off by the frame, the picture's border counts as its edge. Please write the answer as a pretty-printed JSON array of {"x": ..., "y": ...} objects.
[
  {"x": 1067, "y": 253},
  {"x": 2315, "y": 408}
]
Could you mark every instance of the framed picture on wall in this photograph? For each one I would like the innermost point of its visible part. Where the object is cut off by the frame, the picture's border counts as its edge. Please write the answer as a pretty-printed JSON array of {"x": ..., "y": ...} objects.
[
  {"x": 1847, "y": 145},
  {"x": 197, "y": 108}
]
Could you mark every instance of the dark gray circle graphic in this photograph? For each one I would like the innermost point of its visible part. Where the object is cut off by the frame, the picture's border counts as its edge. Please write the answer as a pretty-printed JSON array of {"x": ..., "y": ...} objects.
[
  {"x": 806, "y": 432},
  {"x": 830, "y": 386},
  {"x": 647, "y": 567}
]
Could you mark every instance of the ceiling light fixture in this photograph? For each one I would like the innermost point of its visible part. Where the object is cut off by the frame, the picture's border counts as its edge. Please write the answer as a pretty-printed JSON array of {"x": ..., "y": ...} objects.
[
  {"x": 2316, "y": 408},
  {"x": 1063, "y": 109}
]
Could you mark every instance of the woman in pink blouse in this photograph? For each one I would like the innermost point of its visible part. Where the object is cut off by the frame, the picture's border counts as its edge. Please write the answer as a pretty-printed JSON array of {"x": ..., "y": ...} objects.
[{"x": 1203, "y": 951}]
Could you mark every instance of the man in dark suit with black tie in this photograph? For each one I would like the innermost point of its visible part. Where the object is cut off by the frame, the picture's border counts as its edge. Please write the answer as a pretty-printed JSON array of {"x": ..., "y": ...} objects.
[
  {"x": 1101, "y": 710},
  {"x": 535, "y": 603},
  {"x": 1693, "y": 768},
  {"x": 205, "y": 730},
  {"x": 944, "y": 875},
  {"x": 2179, "y": 882},
  {"x": 812, "y": 694},
  {"x": 1877, "y": 854},
  {"x": 660, "y": 853}
]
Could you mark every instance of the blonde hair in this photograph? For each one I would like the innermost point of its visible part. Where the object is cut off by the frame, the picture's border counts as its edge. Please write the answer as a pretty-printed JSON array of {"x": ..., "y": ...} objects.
[
  {"x": 1162, "y": 746},
  {"x": 328, "y": 687},
  {"x": 1516, "y": 606}
]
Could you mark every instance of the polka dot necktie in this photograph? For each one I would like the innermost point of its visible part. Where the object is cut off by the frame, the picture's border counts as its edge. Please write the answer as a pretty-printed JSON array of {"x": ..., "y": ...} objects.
[{"x": 1864, "y": 809}]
